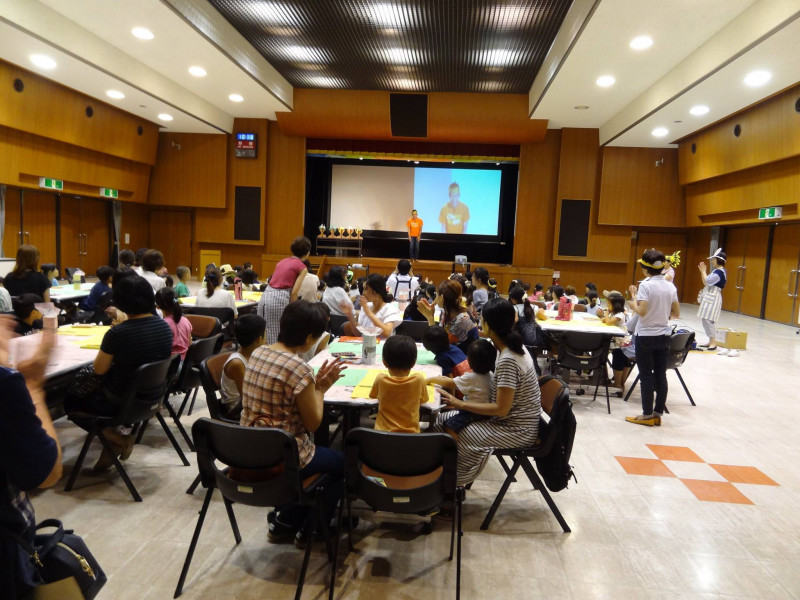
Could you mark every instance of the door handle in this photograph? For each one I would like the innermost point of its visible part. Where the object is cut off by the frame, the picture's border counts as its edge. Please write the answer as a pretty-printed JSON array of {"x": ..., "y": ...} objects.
[
  {"x": 739, "y": 276},
  {"x": 20, "y": 238},
  {"x": 27, "y": 237},
  {"x": 790, "y": 294},
  {"x": 744, "y": 275}
]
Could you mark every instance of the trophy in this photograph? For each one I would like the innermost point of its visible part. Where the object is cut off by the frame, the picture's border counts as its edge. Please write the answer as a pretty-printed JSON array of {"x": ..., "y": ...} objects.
[
  {"x": 341, "y": 231},
  {"x": 349, "y": 232},
  {"x": 322, "y": 231},
  {"x": 358, "y": 231}
]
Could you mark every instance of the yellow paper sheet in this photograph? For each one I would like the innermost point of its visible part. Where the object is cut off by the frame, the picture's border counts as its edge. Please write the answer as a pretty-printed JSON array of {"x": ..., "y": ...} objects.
[
  {"x": 93, "y": 342},
  {"x": 83, "y": 331},
  {"x": 252, "y": 296},
  {"x": 364, "y": 387}
]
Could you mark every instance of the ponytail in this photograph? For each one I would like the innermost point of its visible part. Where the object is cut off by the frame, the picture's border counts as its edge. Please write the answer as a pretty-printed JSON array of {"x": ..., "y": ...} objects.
[
  {"x": 212, "y": 281},
  {"x": 528, "y": 310},
  {"x": 167, "y": 301}
]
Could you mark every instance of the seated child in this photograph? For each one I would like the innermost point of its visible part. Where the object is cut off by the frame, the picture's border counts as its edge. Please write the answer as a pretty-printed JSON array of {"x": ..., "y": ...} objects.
[
  {"x": 436, "y": 340},
  {"x": 475, "y": 386},
  {"x": 181, "y": 328},
  {"x": 28, "y": 318},
  {"x": 399, "y": 393},
  {"x": 103, "y": 285},
  {"x": 169, "y": 281},
  {"x": 592, "y": 307},
  {"x": 249, "y": 280},
  {"x": 571, "y": 293},
  {"x": 51, "y": 272},
  {"x": 538, "y": 293},
  {"x": 5, "y": 299},
  {"x": 251, "y": 333},
  {"x": 181, "y": 289}
]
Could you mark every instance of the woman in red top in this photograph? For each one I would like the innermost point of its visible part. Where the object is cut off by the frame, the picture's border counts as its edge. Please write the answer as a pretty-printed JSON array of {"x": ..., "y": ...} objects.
[{"x": 284, "y": 286}]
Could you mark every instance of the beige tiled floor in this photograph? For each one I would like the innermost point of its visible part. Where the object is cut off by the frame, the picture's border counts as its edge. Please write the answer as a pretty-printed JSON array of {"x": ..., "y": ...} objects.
[{"x": 633, "y": 536}]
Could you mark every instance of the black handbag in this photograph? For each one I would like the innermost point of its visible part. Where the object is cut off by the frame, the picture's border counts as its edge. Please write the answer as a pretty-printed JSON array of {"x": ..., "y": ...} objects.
[{"x": 62, "y": 554}]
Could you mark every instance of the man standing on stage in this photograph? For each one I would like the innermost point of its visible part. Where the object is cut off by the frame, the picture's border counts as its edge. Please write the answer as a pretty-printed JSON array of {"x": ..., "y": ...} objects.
[
  {"x": 455, "y": 214},
  {"x": 414, "y": 225}
]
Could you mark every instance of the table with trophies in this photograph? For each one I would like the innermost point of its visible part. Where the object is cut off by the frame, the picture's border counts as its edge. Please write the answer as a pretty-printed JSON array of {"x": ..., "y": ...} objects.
[{"x": 339, "y": 239}]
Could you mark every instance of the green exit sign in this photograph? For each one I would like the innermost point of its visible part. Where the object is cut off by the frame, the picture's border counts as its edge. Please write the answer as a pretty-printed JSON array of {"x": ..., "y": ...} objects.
[
  {"x": 51, "y": 184},
  {"x": 773, "y": 212},
  {"x": 109, "y": 193}
]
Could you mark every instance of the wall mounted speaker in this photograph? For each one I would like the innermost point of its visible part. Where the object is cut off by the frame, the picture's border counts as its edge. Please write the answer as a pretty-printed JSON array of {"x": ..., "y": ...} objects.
[{"x": 409, "y": 115}]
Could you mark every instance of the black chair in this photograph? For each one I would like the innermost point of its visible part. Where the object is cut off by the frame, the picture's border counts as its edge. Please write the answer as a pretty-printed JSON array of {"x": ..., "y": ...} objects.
[
  {"x": 70, "y": 271},
  {"x": 141, "y": 402},
  {"x": 555, "y": 403},
  {"x": 224, "y": 314},
  {"x": 413, "y": 329},
  {"x": 99, "y": 315},
  {"x": 579, "y": 351},
  {"x": 679, "y": 346},
  {"x": 263, "y": 469},
  {"x": 336, "y": 324},
  {"x": 419, "y": 473}
]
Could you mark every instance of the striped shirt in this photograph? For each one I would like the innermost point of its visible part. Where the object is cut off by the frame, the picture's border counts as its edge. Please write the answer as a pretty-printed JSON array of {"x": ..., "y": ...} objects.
[{"x": 517, "y": 372}]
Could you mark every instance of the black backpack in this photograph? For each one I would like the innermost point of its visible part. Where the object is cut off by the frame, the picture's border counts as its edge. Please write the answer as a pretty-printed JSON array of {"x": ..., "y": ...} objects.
[{"x": 555, "y": 468}]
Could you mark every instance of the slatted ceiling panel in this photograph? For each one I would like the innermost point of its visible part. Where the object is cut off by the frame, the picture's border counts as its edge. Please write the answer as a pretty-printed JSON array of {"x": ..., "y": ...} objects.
[{"x": 401, "y": 45}]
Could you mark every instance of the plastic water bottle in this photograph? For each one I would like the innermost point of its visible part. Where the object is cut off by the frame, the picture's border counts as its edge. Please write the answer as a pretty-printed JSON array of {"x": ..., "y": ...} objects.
[{"x": 76, "y": 280}]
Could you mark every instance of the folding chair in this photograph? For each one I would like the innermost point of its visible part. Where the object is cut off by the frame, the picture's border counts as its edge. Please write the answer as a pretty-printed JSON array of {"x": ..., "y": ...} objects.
[
  {"x": 419, "y": 473},
  {"x": 271, "y": 458},
  {"x": 189, "y": 376},
  {"x": 556, "y": 404},
  {"x": 203, "y": 326},
  {"x": 336, "y": 324},
  {"x": 579, "y": 351},
  {"x": 679, "y": 346},
  {"x": 224, "y": 314},
  {"x": 413, "y": 329},
  {"x": 141, "y": 402}
]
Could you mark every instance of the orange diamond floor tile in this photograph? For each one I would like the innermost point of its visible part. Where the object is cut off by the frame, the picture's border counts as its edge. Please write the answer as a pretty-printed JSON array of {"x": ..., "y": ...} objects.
[
  {"x": 680, "y": 453},
  {"x": 644, "y": 466},
  {"x": 716, "y": 491},
  {"x": 736, "y": 474}
]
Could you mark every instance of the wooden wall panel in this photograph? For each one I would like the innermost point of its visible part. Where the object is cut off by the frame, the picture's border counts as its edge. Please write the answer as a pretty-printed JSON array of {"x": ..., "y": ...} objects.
[
  {"x": 135, "y": 223},
  {"x": 770, "y": 131},
  {"x": 699, "y": 247},
  {"x": 24, "y": 158},
  {"x": 735, "y": 199},
  {"x": 170, "y": 231},
  {"x": 190, "y": 170},
  {"x": 536, "y": 201},
  {"x": 286, "y": 185},
  {"x": 578, "y": 179},
  {"x": 452, "y": 117},
  {"x": 50, "y": 110},
  {"x": 609, "y": 276},
  {"x": 635, "y": 191}
]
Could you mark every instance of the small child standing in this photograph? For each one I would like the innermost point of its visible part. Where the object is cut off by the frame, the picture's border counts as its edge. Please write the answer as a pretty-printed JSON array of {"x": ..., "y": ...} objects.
[
  {"x": 475, "y": 386},
  {"x": 251, "y": 333},
  {"x": 181, "y": 289},
  {"x": 436, "y": 340},
  {"x": 399, "y": 393},
  {"x": 181, "y": 328}
]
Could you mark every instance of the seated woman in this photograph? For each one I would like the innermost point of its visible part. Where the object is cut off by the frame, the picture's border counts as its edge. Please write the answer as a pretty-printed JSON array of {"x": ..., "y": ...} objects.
[
  {"x": 280, "y": 390},
  {"x": 213, "y": 295},
  {"x": 337, "y": 292},
  {"x": 142, "y": 338},
  {"x": 26, "y": 278},
  {"x": 376, "y": 310},
  {"x": 455, "y": 317},
  {"x": 516, "y": 402}
]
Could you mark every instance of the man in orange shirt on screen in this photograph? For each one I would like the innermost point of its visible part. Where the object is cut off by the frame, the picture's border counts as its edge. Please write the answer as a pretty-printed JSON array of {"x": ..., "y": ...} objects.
[
  {"x": 414, "y": 225},
  {"x": 455, "y": 214}
]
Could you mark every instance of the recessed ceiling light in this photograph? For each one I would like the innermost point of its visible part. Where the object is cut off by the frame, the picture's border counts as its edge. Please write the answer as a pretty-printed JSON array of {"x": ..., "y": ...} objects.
[
  {"x": 320, "y": 81},
  {"x": 416, "y": 162},
  {"x": 301, "y": 53},
  {"x": 165, "y": 117},
  {"x": 699, "y": 110},
  {"x": 605, "y": 81},
  {"x": 757, "y": 78},
  {"x": 142, "y": 33},
  {"x": 43, "y": 61},
  {"x": 399, "y": 55},
  {"x": 386, "y": 15},
  {"x": 581, "y": 107},
  {"x": 197, "y": 71},
  {"x": 498, "y": 57},
  {"x": 642, "y": 42},
  {"x": 235, "y": 98},
  {"x": 660, "y": 131},
  {"x": 360, "y": 158},
  {"x": 115, "y": 94}
]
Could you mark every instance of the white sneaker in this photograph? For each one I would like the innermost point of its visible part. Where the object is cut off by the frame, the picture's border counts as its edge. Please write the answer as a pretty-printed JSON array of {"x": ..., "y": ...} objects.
[
  {"x": 723, "y": 352},
  {"x": 733, "y": 353}
]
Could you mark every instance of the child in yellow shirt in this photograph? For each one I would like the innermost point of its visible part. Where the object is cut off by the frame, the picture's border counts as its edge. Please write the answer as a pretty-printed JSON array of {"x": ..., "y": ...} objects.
[{"x": 399, "y": 393}]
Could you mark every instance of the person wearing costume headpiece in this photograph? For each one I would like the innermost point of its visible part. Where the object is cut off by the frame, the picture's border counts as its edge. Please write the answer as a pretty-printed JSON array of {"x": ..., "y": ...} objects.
[
  {"x": 673, "y": 260},
  {"x": 710, "y": 297}
]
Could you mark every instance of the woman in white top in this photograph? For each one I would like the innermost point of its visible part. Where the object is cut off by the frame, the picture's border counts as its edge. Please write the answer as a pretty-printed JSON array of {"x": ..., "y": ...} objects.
[
  {"x": 376, "y": 311},
  {"x": 213, "y": 296},
  {"x": 337, "y": 293}
]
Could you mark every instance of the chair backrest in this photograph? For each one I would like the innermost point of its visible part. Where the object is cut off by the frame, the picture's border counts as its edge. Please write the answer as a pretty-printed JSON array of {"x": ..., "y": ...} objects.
[
  {"x": 679, "y": 346},
  {"x": 270, "y": 455},
  {"x": 203, "y": 326},
  {"x": 105, "y": 300},
  {"x": 583, "y": 351},
  {"x": 578, "y": 308},
  {"x": 337, "y": 322},
  {"x": 70, "y": 271},
  {"x": 413, "y": 329},
  {"x": 142, "y": 399},
  {"x": 401, "y": 455},
  {"x": 210, "y": 377},
  {"x": 198, "y": 351}
]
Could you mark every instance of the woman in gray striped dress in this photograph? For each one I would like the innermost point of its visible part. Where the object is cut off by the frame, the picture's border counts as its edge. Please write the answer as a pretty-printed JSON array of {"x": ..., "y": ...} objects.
[
  {"x": 711, "y": 296},
  {"x": 284, "y": 287},
  {"x": 516, "y": 401}
]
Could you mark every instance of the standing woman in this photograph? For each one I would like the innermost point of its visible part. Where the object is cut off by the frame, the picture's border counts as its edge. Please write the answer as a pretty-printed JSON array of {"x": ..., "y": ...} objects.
[
  {"x": 711, "y": 300},
  {"x": 516, "y": 402},
  {"x": 26, "y": 277},
  {"x": 656, "y": 302},
  {"x": 284, "y": 287}
]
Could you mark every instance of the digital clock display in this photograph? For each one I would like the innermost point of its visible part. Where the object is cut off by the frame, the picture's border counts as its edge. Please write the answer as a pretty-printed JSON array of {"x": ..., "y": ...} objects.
[{"x": 246, "y": 145}]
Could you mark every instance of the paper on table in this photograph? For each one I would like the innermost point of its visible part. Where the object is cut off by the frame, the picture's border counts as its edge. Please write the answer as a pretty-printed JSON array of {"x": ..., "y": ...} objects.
[
  {"x": 424, "y": 357},
  {"x": 94, "y": 342},
  {"x": 83, "y": 331},
  {"x": 363, "y": 389}
]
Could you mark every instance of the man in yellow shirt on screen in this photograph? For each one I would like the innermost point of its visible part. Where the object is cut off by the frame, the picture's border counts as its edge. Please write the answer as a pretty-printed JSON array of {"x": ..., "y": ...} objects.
[
  {"x": 414, "y": 225},
  {"x": 454, "y": 215}
]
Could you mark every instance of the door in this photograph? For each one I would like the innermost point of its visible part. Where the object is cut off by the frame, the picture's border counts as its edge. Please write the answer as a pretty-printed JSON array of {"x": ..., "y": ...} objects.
[
  {"x": 13, "y": 236},
  {"x": 39, "y": 222},
  {"x": 784, "y": 270},
  {"x": 171, "y": 233},
  {"x": 746, "y": 248},
  {"x": 84, "y": 233}
]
